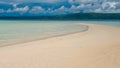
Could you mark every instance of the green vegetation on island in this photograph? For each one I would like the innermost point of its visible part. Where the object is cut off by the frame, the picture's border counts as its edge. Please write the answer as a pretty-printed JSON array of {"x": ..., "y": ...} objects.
[{"x": 75, "y": 16}]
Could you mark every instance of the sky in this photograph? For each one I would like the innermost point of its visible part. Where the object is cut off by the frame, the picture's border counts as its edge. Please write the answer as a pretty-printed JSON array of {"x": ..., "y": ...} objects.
[{"x": 57, "y": 7}]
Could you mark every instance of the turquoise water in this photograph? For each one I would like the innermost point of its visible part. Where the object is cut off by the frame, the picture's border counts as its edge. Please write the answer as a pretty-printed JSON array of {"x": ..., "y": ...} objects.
[
  {"x": 109, "y": 22},
  {"x": 13, "y": 32},
  {"x": 19, "y": 31}
]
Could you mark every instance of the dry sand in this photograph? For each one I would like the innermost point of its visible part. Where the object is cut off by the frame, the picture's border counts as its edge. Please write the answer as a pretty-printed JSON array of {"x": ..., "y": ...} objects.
[{"x": 99, "y": 47}]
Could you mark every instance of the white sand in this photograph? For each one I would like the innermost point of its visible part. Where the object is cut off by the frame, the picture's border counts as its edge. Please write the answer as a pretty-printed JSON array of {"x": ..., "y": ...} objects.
[{"x": 99, "y": 47}]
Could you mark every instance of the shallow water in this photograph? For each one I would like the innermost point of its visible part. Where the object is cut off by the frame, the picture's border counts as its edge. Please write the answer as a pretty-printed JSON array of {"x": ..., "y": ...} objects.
[
  {"x": 19, "y": 31},
  {"x": 12, "y": 32},
  {"x": 104, "y": 22}
]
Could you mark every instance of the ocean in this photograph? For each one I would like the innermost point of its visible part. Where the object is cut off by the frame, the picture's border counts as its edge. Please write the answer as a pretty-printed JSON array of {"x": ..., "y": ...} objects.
[
  {"x": 104, "y": 22},
  {"x": 19, "y": 31}
]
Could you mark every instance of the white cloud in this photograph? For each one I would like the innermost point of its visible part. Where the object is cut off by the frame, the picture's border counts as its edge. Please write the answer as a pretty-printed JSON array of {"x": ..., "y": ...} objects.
[
  {"x": 109, "y": 5},
  {"x": 16, "y": 9},
  {"x": 61, "y": 10},
  {"x": 64, "y": 10},
  {"x": 22, "y": 10},
  {"x": 112, "y": 4},
  {"x": 99, "y": 10},
  {"x": 74, "y": 9},
  {"x": 37, "y": 9},
  {"x": 105, "y": 5},
  {"x": 80, "y": 6},
  {"x": 14, "y": 5},
  {"x": 83, "y": 6}
]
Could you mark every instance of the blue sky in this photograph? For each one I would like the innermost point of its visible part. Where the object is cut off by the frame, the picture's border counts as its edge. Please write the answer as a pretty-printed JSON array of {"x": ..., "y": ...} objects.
[{"x": 56, "y": 7}]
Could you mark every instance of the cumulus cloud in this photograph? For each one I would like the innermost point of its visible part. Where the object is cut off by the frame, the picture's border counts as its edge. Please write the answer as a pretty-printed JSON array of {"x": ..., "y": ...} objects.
[
  {"x": 112, "y": 4},
  {"x": 22, "y": 10},
  {"x": 109, "y": 5},
  {"x": 75, "y": 9},
  {"x": 37, "y": 9},
  {"x": 14, "y": 5},
  {"x": 99, "y": 10},
  {"x": 65, "y": 10},
  {"x": 75, "y": 6},
  {"x": 61, "y": 10},
  {"x": 16, "y": 9}
]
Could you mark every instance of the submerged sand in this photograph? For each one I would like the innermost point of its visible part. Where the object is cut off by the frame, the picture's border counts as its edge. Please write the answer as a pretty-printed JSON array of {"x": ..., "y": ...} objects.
[{"x": 99, "y": 47}]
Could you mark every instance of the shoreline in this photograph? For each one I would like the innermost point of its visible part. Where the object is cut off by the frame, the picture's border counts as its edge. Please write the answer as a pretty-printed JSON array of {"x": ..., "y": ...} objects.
[
  {"x": 48, "y": 37},
  {"x": 97, "y": 47}
]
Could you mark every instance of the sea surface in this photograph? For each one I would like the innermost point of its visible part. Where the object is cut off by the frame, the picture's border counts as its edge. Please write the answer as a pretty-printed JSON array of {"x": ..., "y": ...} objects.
[
  {"x": 104, "y": 22},
  {"x": 19, "y": 31}
]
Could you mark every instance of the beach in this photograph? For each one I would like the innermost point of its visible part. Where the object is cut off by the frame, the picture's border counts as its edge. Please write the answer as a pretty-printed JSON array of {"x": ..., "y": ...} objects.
[{"x": 98, "y": 47}]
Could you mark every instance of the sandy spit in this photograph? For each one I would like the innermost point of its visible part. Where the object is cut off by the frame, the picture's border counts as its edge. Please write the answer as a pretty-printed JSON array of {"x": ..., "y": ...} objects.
[{"x": 99, "y": 47}]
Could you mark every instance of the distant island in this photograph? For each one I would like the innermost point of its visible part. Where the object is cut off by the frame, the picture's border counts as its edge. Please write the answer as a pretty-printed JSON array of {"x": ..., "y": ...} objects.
[{"x": 75, "y": 16}]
